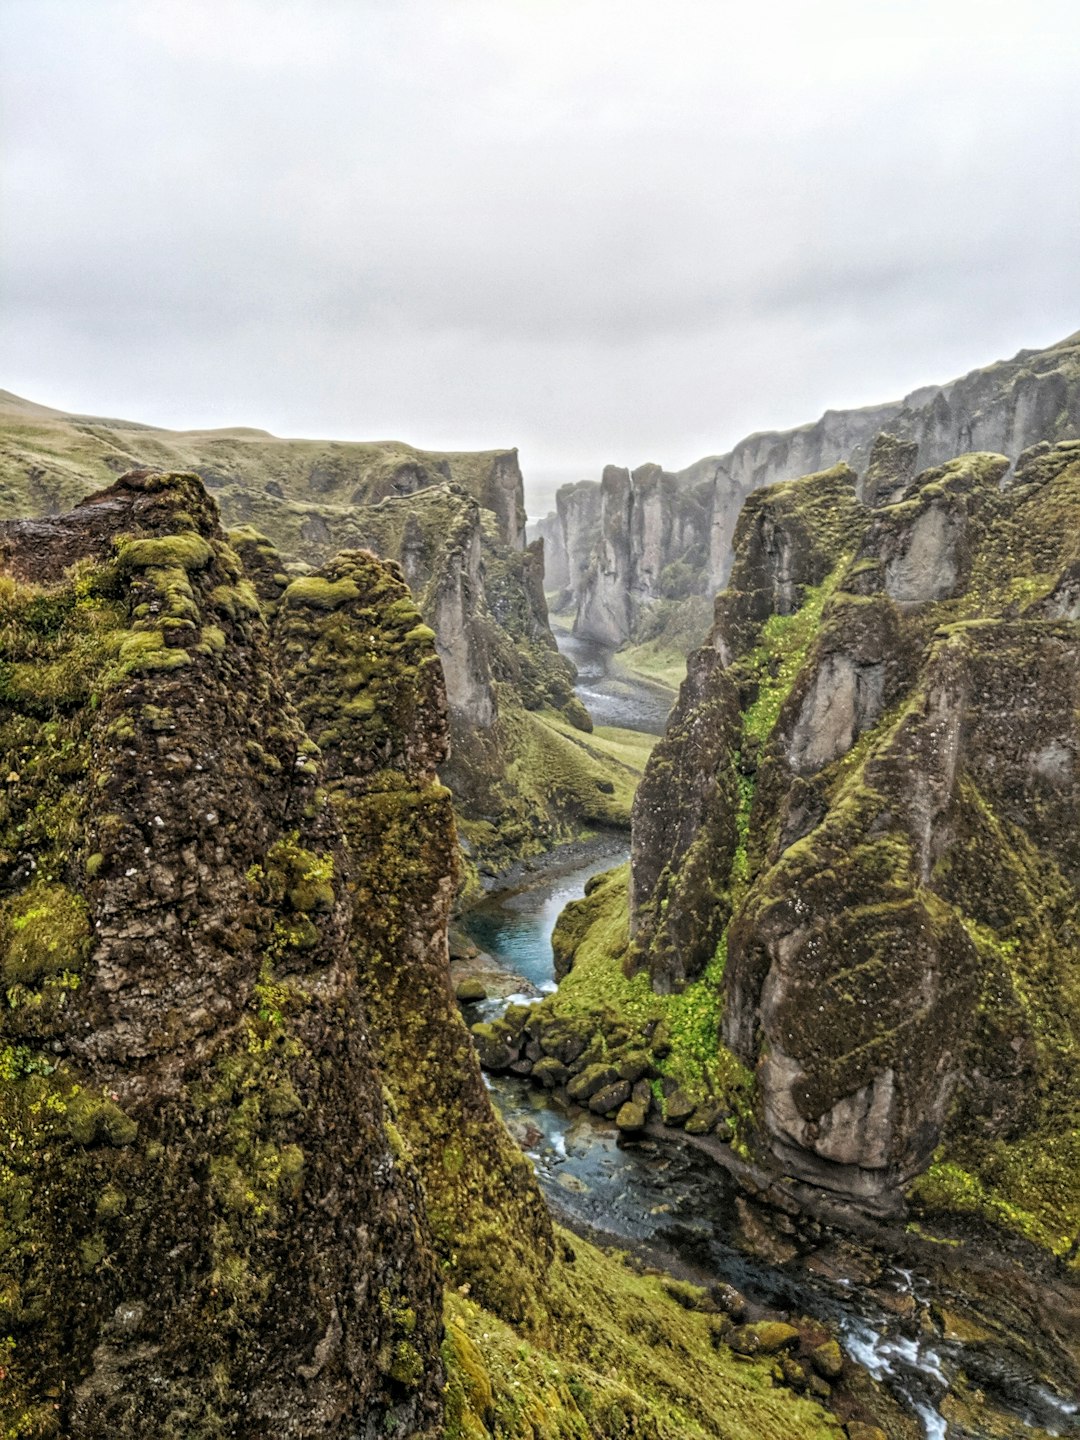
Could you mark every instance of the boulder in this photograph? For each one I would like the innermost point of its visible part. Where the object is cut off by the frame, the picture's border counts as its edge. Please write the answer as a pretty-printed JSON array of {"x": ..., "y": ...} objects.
[
  {"x": 610, "y": 1097},
  {"x": 593, "y": 1078}
]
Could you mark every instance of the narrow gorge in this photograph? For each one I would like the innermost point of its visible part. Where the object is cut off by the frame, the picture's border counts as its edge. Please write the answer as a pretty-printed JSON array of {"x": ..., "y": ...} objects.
[{"x": 412, "y": 1029}]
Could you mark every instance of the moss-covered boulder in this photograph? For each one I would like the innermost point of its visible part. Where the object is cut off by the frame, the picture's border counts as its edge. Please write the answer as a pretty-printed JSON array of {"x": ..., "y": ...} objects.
[{"x": 207, "y": 1226}]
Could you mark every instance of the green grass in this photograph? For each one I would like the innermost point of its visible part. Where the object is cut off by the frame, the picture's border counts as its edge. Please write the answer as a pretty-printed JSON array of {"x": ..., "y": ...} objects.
[{"x": 621, "y": 1358}]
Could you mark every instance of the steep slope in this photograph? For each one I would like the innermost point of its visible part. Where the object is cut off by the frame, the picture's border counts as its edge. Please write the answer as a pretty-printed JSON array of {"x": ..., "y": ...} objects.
[
  {"x": 362, "y": 669},
  {"x": 205, "y": 1229},
  {"x": 661, "y": 536},
  {"x": 858, "y": 836}
]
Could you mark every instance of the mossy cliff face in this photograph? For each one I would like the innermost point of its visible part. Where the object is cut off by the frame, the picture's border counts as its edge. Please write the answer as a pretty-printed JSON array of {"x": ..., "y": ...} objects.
[
  {"x": 650, "y": 538},
  {"x": 521, "y": 777},
  {"x": 900, "y": 965},
  {"x": 205, "y": 1228},
  {"x": 364, "y": 673},
  {"x": 456, "y": 525}
]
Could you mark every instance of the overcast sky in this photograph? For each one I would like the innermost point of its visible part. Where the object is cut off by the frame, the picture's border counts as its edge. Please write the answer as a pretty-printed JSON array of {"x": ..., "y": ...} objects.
[{"x": 600, "y": 230}]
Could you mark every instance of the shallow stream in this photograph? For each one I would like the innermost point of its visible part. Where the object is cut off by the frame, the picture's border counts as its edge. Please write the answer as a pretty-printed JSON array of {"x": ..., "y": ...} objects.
[
  {"x": 670, "y": 1202},
  {"x": 613, "y": 699}
]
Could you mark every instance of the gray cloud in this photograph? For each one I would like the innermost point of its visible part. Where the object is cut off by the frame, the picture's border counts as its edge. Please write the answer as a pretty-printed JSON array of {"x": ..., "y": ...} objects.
[{"x": 600, "y": 230}]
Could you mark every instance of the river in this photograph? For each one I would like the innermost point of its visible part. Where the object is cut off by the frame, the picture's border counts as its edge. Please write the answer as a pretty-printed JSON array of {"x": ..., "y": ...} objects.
[
  {"x": 665, "y": 1198},
  {"x": 610, "y": 697}
]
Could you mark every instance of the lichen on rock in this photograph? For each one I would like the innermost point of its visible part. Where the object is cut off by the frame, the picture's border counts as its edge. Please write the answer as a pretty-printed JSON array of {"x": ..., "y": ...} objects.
[{"x": 183, "y": 1050}]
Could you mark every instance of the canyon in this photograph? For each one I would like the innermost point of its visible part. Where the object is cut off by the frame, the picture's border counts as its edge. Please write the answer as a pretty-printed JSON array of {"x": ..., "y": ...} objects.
[{"x": 771, "y": 1131}]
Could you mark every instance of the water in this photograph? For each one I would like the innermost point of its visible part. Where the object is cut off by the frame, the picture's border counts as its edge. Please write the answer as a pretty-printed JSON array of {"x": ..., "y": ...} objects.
[
  {"x": 610, "y": 698},
  {"x": 668, "y": 1200}
]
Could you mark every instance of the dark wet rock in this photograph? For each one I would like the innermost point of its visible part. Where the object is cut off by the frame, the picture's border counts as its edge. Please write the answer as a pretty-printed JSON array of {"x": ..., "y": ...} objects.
[
  {"x": 763, "y": 1337},
  {"x": 610, "y": 1098},
  {"x": 550, "y": 1072},
  {"x": 592, "y": 1079},
  {"x": 493, "y": 1048}
]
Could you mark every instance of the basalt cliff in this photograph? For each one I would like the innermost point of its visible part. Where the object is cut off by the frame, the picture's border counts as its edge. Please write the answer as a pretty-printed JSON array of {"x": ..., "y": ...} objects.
[
  {"x": 525, "y": 769},
  {"x": 854, "y": 873},
  {"x": 622, "y": 553},
  {"x": 251, "y": 1182}
]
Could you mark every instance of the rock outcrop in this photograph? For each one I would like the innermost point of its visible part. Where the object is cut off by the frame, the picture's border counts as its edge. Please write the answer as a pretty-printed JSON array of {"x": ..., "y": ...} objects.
[
  {"x": 661, "y": 536},
  {"x": 362, "y": 668},
  {"x": 206, "y": 1226},
  {"x": 890, "y": 697}
]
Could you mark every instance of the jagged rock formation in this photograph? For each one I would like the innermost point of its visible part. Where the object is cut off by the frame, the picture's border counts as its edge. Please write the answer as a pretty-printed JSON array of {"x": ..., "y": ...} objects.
[
  {"x": 205, "y": 1228},
  {"x": 362, "y": 668},
  {"x": 523, "y": 766},
  {"x": 892, "y": 695},
  {"x": 455, "y": 523},
  {"x": 665, "y": 535}
]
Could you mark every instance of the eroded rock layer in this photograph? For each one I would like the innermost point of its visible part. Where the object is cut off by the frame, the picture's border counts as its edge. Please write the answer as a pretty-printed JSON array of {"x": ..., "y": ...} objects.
[
  {"x": 362, "y": 668},
  {"x": 635, "y": 542}
]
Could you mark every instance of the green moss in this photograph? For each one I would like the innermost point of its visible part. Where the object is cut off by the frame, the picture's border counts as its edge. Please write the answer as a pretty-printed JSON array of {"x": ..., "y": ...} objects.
[
  {"x": 319, "y": 594},
  {"x": 597, "y": 999},
  {"x": 181, "y": 552},
  {"x": 781, "y": 652},
  {"x": 144, "y": 652},
  {"x": 43, "y": 932},
  {"x": 622, "y": 1356}
]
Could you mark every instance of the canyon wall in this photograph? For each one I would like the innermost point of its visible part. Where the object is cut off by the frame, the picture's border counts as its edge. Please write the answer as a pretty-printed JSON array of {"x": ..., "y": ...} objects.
[{"x": 659, "y": 536}]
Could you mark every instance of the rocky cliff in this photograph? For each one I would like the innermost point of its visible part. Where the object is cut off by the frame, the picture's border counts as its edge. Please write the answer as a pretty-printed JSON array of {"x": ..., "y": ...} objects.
[
  {"x": 877, "y": 753},
  {"x": 454, "y": 522},
  {"x": 205, "y": 1227},
  {"x": 663, "y": 536}
]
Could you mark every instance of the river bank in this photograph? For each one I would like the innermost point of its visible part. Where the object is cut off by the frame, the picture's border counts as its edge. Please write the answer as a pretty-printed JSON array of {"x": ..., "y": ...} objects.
[{"x": 928, "y": 1325}]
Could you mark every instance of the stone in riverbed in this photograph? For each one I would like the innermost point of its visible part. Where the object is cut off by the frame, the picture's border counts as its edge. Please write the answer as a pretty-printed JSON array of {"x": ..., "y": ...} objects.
[
  {"x": 491, "y": 1048},
  {"x": 678, "y": 1108},
  {"x": 593, "y": 1078},
  {"x": 764, "y": 1337},
  {"x": 631, "y": 1117},
  {"x": 470, "y": 991},
  {"x": 610, "y": 1097},
  {"x": 828, "y": 1360},
  {"x": 550, "y": 1072}
]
